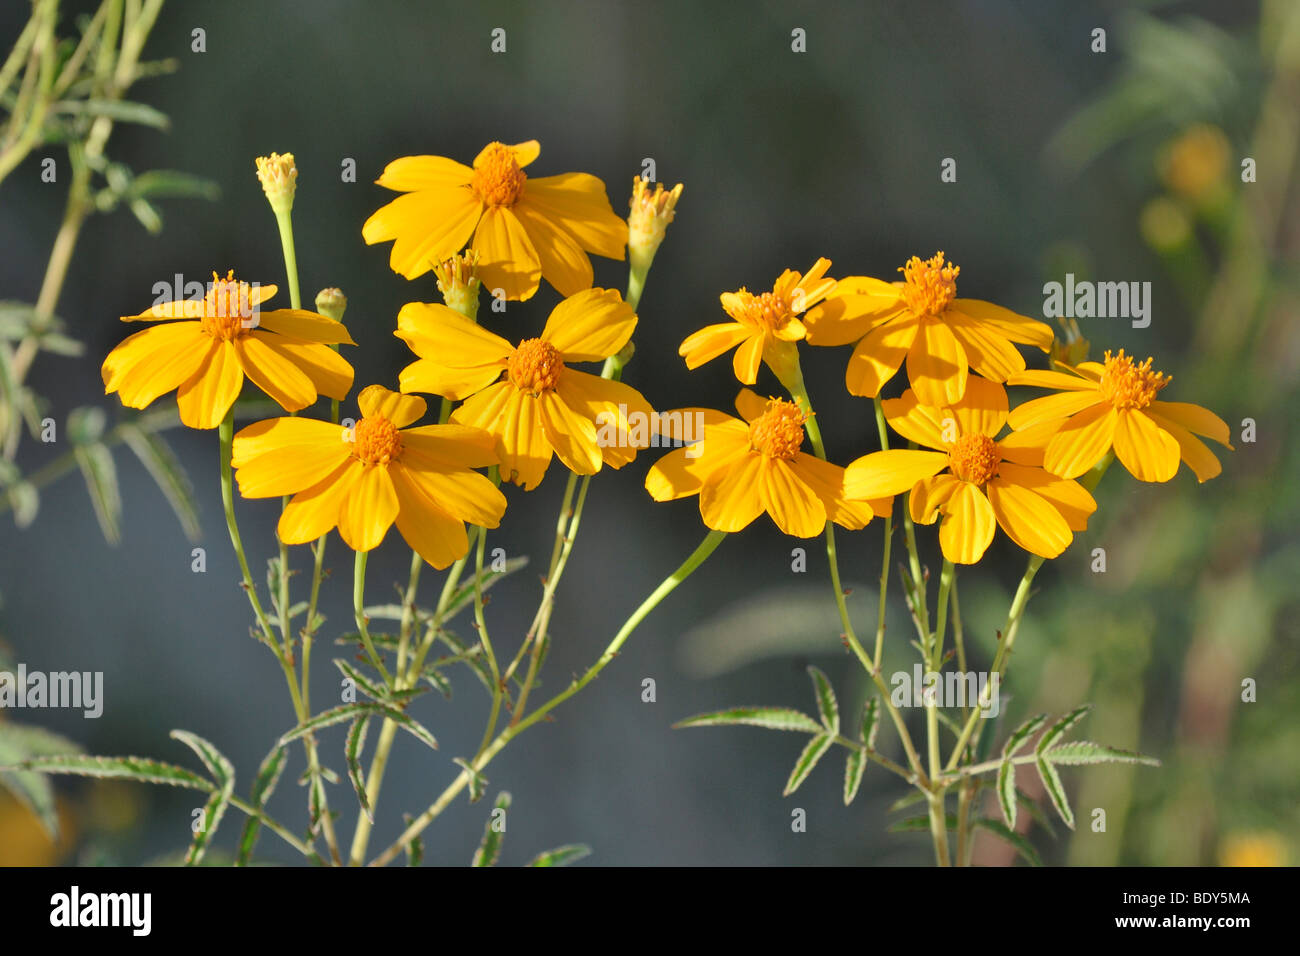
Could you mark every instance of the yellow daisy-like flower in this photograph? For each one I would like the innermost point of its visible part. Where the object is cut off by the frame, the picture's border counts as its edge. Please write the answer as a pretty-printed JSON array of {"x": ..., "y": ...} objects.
[
  {"x": 525, "y": 395},
  {"x": 975, "y": 481},
  {"x": 1113, "y": 404},
  {"x": 921, "y": 319},
  {"x": 524, "y": 229},
  {"x": 284, "y": 352},
  {"x": 365, "y": 478},
  {"x": 763, "y": 325},
  {"x": 741, "y": 469}
]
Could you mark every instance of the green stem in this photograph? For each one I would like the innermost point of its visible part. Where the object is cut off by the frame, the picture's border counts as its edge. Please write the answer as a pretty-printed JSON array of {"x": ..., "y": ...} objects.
[
  {"x": 888, "y": 546},
  {"x": 359, "y": 611}
]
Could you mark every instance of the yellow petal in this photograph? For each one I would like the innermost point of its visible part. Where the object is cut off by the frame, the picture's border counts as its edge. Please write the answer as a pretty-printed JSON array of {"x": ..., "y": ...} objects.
[
  {"x": 206, "y": 396},
  {"x": 521, "y": 441},
  {"x": 968, "y": 525},
  {"x": 1070, "y": 498},
  {"x": 432, "y": 533},
  {"x": 885, "y": 473},
  {"x": 507, "y": 260},
  {"x": 1081, "y": 442},
  {"x": 369, "y": 510},
  {"x": 876, "y": 358},
  {"x": 917, "y": 422},
  {"x": 827, "y": 482},
  {"x": 577, "y": 202},
  {"x": 1029, "y": 520},
  {"x": 987, "y": 351},
  {"x": 982, "y": 410},
  {"x": 571, "y": 435},
  {"x": 750, "y": 404},
  {"x": 1012, "y": 326},
  {"x": 684, "y": 471},
  {"x": 524, "y": 152},
  {"x": 1052, "y": 408},
  {"x": 412, "y": 173},
  {"x": 1148, "y": 451},
  {"x": 465, "y": 495},
  {"x": 564, "y": 265},
  {"x": 936, "y": 365},
  {"x": 730, "y": 499},
  {"x": 274, "y": 373},
  {"x": 1055, "y": 380},
  {"x": 590, "y": 326},
  {"x": 426, "y": 375},
  {"x": 292, "y": 468},
  {"x": 929, "y": 495},
  {"x": 447, "y": 338},
  {"x": 1026, "y": 447},
  {"x": 155, "y": 361},
  {"x": 431, "y": 447},
  {"x": 1194, "y": 418},
  {"x": 623, "y": 419},
  {"x": 306, "y": 326},
  {"x": 399, "y": 409},
  {"x": 329, "y": 372},
  {"x": 273, "y": 434},
  {"x": 311, "y": 513},
  {"x": 793, "y": 505},
  {"x": 847, "y": 315},
  {"x": 1195, "y": 452},
  {"x": 748, "y": 358},
  {"x": 711, "y": 341},
  {"x": 428, "y": 226}
]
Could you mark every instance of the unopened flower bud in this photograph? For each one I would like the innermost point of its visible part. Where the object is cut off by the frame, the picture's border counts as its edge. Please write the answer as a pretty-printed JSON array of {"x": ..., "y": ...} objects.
[
  {"x": 459, "y": 283},
  {"x": 279, "y": 178},
  {"x": 331, "y": 303},
  {"x": 652, "y": 211}
]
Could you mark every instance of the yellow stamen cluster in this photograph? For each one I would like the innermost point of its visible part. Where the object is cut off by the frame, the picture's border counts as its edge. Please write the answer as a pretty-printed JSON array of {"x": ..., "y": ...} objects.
[
  {"x": 652, "y": 211},
  {"x": 227, "y": 308},
  {"x": 376, "y": 440},
  {"x": 458, "y": 282},
  {"x": 1127, "y": 385},
  {"x": 929, "y": 284},
  {"x": 497, "y": 179},
  {"x": 778, "y": 432},
  {"x": 278, "y": 174},
  {"x": 535, "y": 366},
  {"x": 974, "y": 458},
  {"x": 771, "y": 311}
]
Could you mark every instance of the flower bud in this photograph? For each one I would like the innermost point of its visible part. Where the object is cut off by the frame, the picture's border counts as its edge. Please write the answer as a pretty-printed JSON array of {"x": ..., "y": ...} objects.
[
  {"x": 279, "y": 178},
  {"x": 331, "y": 303},
  {"x": 459, "y": 284},
  {"x": 652, "y": 211}
]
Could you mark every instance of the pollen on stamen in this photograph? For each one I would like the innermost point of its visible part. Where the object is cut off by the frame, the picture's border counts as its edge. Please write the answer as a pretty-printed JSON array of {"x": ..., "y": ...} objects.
[
  {"x": 535, "y": 366},
  {"x": 770, "y": 311},
  {"x": 227, "y": 307},
  {"x": 929, "y": 285},
  {"x": 778, "y": 432},
  {"x": 1126, "y": 384},
  {"x": 497, "y": 178},
  {"x": 376, "y": 440},
  {"x": 974, "y": 458}
]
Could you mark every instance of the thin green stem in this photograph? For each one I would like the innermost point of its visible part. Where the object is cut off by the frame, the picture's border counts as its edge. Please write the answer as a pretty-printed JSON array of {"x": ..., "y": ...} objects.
[
  {"x": 888, "y": 546},
  {"x": 359, "y": 612}
]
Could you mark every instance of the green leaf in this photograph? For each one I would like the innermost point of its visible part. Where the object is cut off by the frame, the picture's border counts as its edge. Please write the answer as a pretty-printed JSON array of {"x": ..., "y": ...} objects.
[
  {"x": 1085, "y": 751},
  {"x": 812, "y": 752},
  {"x": 147, "y": 214},
  {"x": 854, "y": 765},
  {"x": 1052, "y": 784},
  {"x": 19, "y": 742},
  {"x": 1017, "y": 840},
  {"x": 477, "y": 782},
  {"x": 355, "y": 744},
  {"x": 489, "y": 848},
  {"x": 463, "y": 597},
  {"x": 168, "y": 474},
  {"x": 414, "y": 847},
  {"x": 1021, "y": 734},
  {"x": 773, "y": 718},
  {"x": 561, "y": 855},
  {"x": 911, "y": 798},
  {"x": 870, "y": 726},
  {"x": 25, "y": 500},
  {"x": 920, "y": 824},
  {"x": 140, "y": 769},
  {"x": 438, "y": 681},
  {"x": 1007, "y": 791},
  {"x": 57, "y": 344},
  {"x": 97, "y": 468},
  {"x": 268, "y": 775},
  {"x": 371, "y": 688},
  {"x": 121, "y": 111},
  {"x": 1035, "y": 811},
  {"x": 172, "y": 184},
  {"x": 223, "y": 774},
  {"x": 338, "y": 715},
  {"x": 827, "y": 707},
  {"x": 1058, "y": 729},
  {"x": 86, "y": 424}
]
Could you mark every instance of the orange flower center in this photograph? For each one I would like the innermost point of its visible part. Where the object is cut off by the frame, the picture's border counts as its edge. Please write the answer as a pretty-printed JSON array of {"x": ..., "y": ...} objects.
[
  {"x": 535, "y": 366},
  {"x": 376, "y": 440},
  {"x": 768, "y": 311},
  {"x": 778, "y": 432},
  {"x": 1126, "y": 385},
  {"x": 227, "y": 308},
  {"x": 929, "y": 285},
  {"x": 497, "y": 179},
  {"x": 974, "y": 458}
]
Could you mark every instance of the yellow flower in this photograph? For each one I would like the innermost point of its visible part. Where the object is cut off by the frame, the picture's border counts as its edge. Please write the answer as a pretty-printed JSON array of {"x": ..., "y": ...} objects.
[
  {"x": 364, "y": 478},
  {"x": 284, "y": 352},
  {"x": 525, "y": 395},
  {"x": 764, "y": 326},
  {"x": 741, "y": 469},
  {"x": 1112, "y": 404},
  {"x": 976, "y": 482},
  {"x": 1266, "y": 848},
  {"x": 922, "y": 320},
  {"x": 524, "y": 229}
]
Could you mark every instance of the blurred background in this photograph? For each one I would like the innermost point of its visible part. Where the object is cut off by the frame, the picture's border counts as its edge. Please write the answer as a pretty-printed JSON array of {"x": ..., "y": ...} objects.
[{"x": 1121, "y": 165}]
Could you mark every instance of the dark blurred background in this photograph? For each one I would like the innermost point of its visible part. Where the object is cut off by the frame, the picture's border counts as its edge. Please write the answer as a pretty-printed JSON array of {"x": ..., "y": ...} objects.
[{"x": 1067, "y": 161}]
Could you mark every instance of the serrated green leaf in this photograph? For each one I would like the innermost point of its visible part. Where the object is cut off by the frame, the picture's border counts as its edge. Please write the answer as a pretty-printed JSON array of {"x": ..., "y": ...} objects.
[
  {"x": 140, "y": 769},
  {"x": 854, "y": 765},
  {"x": 1055, "y": 790},
  {"x": 1007, "y": 791},
  {"x": 1085, "y": 752},
  {"x": 100, "y": 474},
  {"x": 372, "y": 688},
  {"x": 19, "y": 742},
  {"x": 268, "y": 775},
  {"x": 355, "y": 743},
  {"x": 812, "y": 752},
  {"x": 870, "y": 725},
  {"x": 168, "y": 474},
  {"x": 773, "y": 718},
  {"x": 338, "y": 715},
  {"x": 1016, "y": 840},
  {"x": 561, "y": 855},
  {"x": 463, "y": 597},
  {"x": 1021, "y": 734},
  {"x": 827, "y": 707},
  {"x": 1058, "y": 729},
  {"x": 222, "y": 770},
  {"x": 477, "y": 782},
  {"x": 223, "y": 775},
  {"x": 489, "y": 848},
  {"x": 437, "y": 680}
]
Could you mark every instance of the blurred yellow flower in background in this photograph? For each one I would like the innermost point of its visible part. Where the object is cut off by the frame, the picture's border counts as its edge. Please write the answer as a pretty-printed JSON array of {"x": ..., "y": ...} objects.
[
  {"x": 524, "y": 229},
  {"x": 284, "y": 352},
  {"x": 378, "y": 472},
  {"x": 1265, "y": 848}
]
